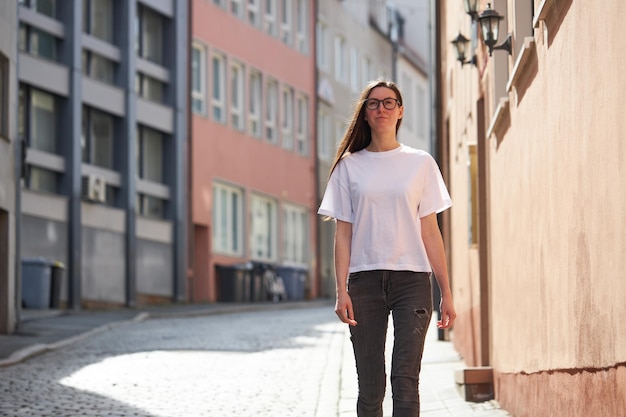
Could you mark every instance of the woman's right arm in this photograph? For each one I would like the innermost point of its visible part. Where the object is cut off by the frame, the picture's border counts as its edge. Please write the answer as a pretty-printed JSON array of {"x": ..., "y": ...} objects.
[{"x": 343, "y": 241}]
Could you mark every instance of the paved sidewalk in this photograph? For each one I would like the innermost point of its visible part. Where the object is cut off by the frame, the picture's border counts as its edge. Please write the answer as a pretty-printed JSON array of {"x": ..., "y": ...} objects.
[{"x": 42, "y": 331}]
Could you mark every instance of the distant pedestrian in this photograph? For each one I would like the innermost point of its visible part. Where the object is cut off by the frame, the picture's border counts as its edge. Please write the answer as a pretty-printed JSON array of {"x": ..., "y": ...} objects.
[{"x": 385, "y": 197}]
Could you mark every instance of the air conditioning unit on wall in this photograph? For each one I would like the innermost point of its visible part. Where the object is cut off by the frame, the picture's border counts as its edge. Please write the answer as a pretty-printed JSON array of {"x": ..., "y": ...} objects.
[{"x": 94, "y": 188}]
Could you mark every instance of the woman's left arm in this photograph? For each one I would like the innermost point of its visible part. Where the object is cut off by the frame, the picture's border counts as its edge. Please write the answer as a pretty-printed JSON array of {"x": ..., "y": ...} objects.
[{"x": 431, "y": 236}]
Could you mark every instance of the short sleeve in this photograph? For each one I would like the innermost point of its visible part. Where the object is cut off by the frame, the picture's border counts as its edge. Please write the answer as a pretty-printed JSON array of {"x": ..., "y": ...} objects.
[
  {"x": 435, "y": 197},
  {"x": 337, "y": 202}
]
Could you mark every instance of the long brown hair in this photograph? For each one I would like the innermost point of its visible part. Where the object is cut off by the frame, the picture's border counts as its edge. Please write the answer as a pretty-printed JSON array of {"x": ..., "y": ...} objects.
[{"x": 359, "y": 134}]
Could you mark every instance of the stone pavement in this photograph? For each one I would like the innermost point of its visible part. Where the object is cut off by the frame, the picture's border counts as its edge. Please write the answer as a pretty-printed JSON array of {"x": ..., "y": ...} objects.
[{"x": 42, "y": 331}]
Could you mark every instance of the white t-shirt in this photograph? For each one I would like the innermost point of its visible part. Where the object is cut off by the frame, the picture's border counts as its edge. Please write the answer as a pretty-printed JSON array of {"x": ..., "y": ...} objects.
[{"x": 384, "y": 195}]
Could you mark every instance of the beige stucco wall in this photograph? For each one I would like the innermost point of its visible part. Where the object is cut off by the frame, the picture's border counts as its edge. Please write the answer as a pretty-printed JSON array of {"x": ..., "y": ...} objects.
[
  {"x": 557, "y": 198},
  {"x": 554, "y": 218}
]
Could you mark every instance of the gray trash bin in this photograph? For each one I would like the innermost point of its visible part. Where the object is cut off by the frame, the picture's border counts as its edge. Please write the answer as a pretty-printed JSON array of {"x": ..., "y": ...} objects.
[
  {"x": 36, "y": 281},
  {"x": 56, "y": 280}
]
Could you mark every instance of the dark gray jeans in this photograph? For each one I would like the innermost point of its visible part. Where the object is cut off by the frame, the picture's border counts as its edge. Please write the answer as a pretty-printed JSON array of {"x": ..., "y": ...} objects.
[{"x": 407, "y": 295}]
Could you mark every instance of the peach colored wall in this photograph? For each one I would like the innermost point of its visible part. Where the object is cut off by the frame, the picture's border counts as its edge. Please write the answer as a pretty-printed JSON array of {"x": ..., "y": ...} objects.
[
  {"x": 558, "y": 226},
  {"x": 557, "y": 165},
  {"x": 253, "y": 164}
]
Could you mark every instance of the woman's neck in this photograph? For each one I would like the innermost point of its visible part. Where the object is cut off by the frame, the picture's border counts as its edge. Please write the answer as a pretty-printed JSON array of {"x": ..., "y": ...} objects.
[{"x": 382, "y": 144}]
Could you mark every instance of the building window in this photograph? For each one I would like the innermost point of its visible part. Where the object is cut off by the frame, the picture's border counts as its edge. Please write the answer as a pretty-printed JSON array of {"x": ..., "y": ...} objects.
[
  {"x": 97, "y": 138},
  {"x": 323, "y": 134},
  {"x": 98, "y": 19},
  {"x": 286, "y": 34},
  {"x": 37, "y": 42},
  {"x": 37, "y": 125},
  {"x": 237, "y": 96},
  {"x": 227, "y": 219},
  {"x": 149, "y": 88},
  {"x": 253, "y": 13},
  {"x": 150, "y": 35},
  {"x": 219, "y": 3},
  {"x": 302, "y": 26},
  {"x": 271, "y": 111},
  {"x": 45, "y": 7},
  {"x": 218, "y": 93},
  {"x": 321, "y": 35},
  {"x": 295, "y": 234},
  {"x": 302, "y": 133},
  {"x": 340, "y": 59},
  {"x": 43, "y": 121},
  {"x": 150, "y": 164},
  {"x": 367, "y": 72},
  {"x": 4, "y": 96},
  {"x": 422, "y": 105},
  {"x": 255, "y": 96},
  {"x": 198, "y": 79},
  {"x": 98, "y": 67},
  {"x": 263, "y": 228},
  {"x": 236, "y": 8},
  {"x": 270, "y": 17},
  {"x": 354, "y": 71},
  {"x": 287, "y": 118}
]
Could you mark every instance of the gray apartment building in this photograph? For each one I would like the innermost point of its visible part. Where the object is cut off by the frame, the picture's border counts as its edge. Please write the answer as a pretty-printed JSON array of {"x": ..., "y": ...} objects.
[
  {"x": 101, "y": 99},
  {"x": 8, "y": 168}
]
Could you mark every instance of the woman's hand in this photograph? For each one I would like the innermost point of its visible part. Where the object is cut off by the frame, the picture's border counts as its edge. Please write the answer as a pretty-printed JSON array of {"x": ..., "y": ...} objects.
[
  {"x": 447, "y": 313},
  {"x": 343, "y": 308}
]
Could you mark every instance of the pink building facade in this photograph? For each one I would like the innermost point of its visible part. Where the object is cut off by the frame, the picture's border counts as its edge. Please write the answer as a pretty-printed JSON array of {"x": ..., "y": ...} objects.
[{"x": 252, "y": 153}]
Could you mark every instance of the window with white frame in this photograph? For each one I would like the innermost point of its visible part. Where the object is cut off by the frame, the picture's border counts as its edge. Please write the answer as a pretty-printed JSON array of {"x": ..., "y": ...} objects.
[
  {"x": 255, "y": 91},
  {"x": 340, "y": 59},
  {"x": 323, "y": 135},
  {"x": 236, "y": 96},
  {"x": 287, "y": 117},
  {"x": 43, "y": 121},
  {"x": 227, "y": 219},
  {"x": 422, "y": 105},
  {"x": 218, "y": 87},
  {"x": 254, "y": 17},
  {"x": 302, "y": 26},
  {"x": 321, "y": 39},
  {"x": 295, "y": 234},
  {"x": 236, "y": 8},
  {"x": 302, "y": 133},
  {"x": 270, "y": 17},
  {"x": 271, "y": 110},
  {"x": 354, "y": 70},
  {"x": 263, "y": 228},
  {"x": 409, "y": 103},
  {"x": 198, "y": 78},
  {"x": 340, "y": 130},
  {"x": 367, "y": 71},
  {"x": 286, "y": 31}
]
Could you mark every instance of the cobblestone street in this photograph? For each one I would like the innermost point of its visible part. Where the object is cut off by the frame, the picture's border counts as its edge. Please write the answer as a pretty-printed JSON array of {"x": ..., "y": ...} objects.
[{"x": 274, "y": 363}]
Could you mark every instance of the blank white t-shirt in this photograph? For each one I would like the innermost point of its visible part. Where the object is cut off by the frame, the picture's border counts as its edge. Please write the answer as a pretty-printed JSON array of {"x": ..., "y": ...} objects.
[{"x": 384, "y": 195}]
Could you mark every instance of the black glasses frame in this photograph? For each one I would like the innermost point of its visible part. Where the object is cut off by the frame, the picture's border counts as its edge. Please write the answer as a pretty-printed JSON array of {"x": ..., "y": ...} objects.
[{"x": 389, "y": 103}]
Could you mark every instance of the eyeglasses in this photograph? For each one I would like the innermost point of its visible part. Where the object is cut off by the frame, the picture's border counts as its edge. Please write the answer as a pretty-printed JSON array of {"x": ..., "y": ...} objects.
[{"x": 388, "y": 103}]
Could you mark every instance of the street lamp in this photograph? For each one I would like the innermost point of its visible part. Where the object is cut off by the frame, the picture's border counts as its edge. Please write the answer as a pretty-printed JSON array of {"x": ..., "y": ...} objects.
[
  {"x": 460, "y": 45},
  {"x": 471, "y": 8},
  {"x": 489, "y": 21}
]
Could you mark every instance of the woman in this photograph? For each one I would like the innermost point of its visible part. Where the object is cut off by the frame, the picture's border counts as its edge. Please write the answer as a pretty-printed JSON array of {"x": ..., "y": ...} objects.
[{"x": 385, "y": 197}]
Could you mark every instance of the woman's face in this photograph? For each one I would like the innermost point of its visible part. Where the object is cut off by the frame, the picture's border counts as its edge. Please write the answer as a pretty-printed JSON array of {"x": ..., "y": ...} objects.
[{"x": 382, "y": 109}]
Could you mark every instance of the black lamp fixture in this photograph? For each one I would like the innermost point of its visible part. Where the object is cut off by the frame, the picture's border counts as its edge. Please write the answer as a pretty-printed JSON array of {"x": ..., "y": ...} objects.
[
  {"x": 460, "y": 45},
  {"x": 489, "y": 21},
  {"x": 471, "y": 8}
]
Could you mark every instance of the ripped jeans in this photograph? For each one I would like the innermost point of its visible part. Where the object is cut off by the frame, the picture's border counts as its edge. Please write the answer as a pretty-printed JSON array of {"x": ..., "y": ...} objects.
[{"x": 407, "y": 295}]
